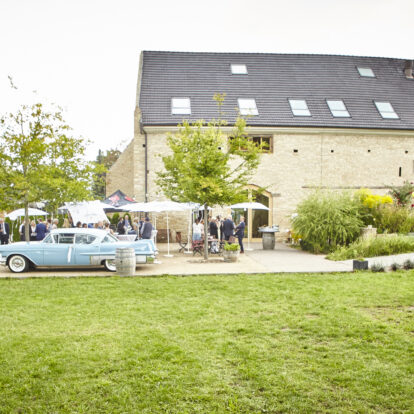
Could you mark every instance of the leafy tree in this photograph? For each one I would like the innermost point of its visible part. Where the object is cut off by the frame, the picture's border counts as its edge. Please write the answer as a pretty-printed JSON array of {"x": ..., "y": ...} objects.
[
  {"x": 40, "y": 160},
  {"x": 207, "y": 168},
  {"x": 104, "y": 161}
]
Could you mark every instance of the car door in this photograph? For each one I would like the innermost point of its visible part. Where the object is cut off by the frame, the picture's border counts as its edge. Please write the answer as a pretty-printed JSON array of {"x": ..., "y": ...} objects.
[
  {"x": 59, "y": 253},
  {"x": 84, "y": 248}
]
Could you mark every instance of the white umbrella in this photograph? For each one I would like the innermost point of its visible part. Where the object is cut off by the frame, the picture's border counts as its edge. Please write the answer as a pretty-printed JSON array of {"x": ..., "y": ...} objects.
[
  {"x": 254, "y": 206},
  {"x": 20, "y": 212}
]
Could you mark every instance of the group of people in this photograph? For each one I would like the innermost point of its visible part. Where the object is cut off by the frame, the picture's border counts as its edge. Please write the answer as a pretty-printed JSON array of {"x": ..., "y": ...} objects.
[
  {"x": 142, "y": 228},
  {"x": 228, "y": 230}
]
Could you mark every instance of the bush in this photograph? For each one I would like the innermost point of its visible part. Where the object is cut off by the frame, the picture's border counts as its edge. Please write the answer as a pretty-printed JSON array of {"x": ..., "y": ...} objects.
[
  {"x": 408, "y": 264},
  {"x": 327, "y": 220},
  {"x": 231, "y": 247},
  {"x": 377, "y": 267},
  {"x": 372, "y": 247},
  {"x": 393, "y": 219},
  {"x": 395, "y": 266}
]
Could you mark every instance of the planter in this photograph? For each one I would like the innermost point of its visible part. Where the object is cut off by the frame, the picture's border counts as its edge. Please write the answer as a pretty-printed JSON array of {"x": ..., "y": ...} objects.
[
  {"x": 360, "y": 265},
  {"x": 231, "y": 255}
]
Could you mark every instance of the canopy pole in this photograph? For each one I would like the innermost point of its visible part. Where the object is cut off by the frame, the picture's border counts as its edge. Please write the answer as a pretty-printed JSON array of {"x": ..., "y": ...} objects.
[{"x": 168, "y": 240}]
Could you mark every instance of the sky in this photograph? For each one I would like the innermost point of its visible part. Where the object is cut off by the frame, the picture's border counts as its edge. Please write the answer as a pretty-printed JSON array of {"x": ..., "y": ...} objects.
[{"x": 83, "y": 54}]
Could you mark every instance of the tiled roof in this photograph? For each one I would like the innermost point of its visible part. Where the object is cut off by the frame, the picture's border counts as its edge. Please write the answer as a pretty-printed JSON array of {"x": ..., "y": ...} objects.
[{"x": 271, "y": 80}]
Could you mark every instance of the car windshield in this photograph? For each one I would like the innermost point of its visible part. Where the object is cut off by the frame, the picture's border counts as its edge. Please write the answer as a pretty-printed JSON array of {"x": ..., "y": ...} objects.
[{"x": 109, "y": 239}]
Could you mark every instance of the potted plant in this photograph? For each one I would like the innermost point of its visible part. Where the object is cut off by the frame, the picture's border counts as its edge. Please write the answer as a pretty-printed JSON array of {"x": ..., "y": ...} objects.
[
  {"x": 360, "y": 264},
  {"x": 231, "y": 252}
]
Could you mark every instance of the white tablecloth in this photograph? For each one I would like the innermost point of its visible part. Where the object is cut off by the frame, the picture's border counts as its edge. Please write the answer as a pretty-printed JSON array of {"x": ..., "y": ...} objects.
[{"x": 126, "y": 237}]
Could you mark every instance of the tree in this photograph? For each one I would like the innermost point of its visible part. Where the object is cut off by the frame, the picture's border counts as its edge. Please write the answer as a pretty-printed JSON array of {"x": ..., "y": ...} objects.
[
  {"x": 40, "y": 160},
  {"x": 104, "y": 161},
  {"x": 207, "y": 168}
]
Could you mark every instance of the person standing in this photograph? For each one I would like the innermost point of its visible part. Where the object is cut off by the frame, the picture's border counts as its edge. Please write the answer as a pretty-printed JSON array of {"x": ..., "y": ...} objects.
[
  {"x": 213, "y": 228},
  {"x": 120, "y": 228},
  {"x": 40, "y": 230},
  {"x": 228, "y": 228},
  {"x": 4, "y": 231},
  {"x": 146, "y": 229},
  {"x": 197, "y": 230},
  {"x": 240, "y": 233},
  {"x": 32, "y": 231},
  {"x": 55, "y": 224}
]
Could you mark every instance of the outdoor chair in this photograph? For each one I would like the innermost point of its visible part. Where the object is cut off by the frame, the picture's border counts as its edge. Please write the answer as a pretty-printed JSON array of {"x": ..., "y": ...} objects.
[
  {"x": 197, "y": 247},
  {"x": 182, "y": 244}
]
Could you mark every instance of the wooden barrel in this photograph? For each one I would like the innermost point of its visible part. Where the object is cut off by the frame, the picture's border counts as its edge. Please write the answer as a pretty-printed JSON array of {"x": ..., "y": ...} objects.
[
  {"x": 268, "y": 240},
  {"x": 125, "y": 261}
]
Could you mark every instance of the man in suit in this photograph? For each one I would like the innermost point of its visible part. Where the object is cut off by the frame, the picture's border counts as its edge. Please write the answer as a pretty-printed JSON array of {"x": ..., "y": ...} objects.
[
  {"x": 240, "y": 233},
  {"x": 4, "y": 231},
  {"x": 228, "y": 228},
  {"x": 146, "y": 229},
  {"x": 40, "y": 230},
  {"x": 120, "y": 228}
]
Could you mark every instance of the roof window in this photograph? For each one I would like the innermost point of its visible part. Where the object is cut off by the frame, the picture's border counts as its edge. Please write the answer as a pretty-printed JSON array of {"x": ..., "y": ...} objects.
[
  {"x": 248, "y": 106},
  {"x": 237, "y": 69},
  {"x": 299, "y": 107},
  {"x": 386, "y": 110},
  {"x": 338, "y": 109},
  {"x": 366, "y": 72},
  {"x": 180, "y": 106}
]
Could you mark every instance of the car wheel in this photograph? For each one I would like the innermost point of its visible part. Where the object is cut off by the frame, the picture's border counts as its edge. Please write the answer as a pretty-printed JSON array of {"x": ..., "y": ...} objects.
[
  {"x": 18, "y": 264},
  {"x": 110, "y": 265}
]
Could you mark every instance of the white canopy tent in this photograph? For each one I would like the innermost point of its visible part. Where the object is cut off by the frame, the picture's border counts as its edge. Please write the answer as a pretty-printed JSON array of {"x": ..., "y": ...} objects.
[
  {"x": 249, "y": 205},
  {"x": 20, "y": 213}
]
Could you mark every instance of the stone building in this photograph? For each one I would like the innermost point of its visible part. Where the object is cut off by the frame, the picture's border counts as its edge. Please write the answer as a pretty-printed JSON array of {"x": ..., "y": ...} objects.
[{"x": 340, "y": 122}]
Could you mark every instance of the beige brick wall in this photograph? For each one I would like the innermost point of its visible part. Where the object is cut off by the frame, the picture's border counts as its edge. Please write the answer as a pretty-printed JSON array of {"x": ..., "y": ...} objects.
[{"x": 324, "y": 158}]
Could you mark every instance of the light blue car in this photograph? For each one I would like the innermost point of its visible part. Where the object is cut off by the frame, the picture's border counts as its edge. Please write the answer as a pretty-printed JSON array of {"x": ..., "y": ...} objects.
[{"x": 73, "y": 247}]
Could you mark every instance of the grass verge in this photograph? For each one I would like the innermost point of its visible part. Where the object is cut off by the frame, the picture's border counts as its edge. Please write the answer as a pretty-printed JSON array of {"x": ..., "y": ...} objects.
[
  {"x": 372, "y": 247},
  {"x": 242, "y": 344}
]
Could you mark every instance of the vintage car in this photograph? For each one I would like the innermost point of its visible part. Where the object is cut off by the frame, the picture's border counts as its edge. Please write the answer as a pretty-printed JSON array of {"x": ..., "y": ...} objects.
[{"x": 72, "y": 247}]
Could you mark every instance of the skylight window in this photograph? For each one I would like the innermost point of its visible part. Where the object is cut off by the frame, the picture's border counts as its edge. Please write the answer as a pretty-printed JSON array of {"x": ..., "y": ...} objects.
[
  {"x": 386, "y": 110},
  {"x": 366, "y": 72},
  {"x": 299, "y": 107},
  {"x": 238, "y": 69},
  {"x": 248, "y": 107},
  {"x": 180, "y": 106},
  {"x": 338, "y": 109}
]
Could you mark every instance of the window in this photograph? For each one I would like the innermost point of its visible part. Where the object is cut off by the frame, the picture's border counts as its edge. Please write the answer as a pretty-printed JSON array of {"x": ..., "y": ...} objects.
[
  {"x": 366, "y": 72},
  {"x": 48, "y": 239},
  {"x": 109, "y": 239},
  {"x": 248, "y": 107},
  {"x": 84, "y": 239},
  {"x": 265, "y": 142},
  {"x": 180, "y": 106},
  {"x": 338, "y": 109},
  {"x": 299, "y": 107},
  {"x": 237, "y": 69},
  {"x": 66, "y": 238},
  {"x": 386, "y": 110}
]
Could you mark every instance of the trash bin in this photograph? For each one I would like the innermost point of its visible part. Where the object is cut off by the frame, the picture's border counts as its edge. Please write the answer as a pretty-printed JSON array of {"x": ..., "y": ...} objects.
[{"x": 268, "y": 236}]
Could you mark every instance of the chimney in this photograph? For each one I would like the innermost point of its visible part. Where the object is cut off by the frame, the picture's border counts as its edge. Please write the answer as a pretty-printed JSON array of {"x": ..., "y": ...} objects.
[{"x": 408, "y": 70}]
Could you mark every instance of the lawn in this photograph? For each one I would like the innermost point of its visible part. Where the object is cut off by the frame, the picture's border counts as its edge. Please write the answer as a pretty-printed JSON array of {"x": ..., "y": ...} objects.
[{"x": 336, "y": 343}]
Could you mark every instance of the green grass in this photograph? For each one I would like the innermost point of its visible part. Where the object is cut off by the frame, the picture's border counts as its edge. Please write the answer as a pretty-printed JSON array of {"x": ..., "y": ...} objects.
[
  {"x": 371, "y": 247},
  {"x": 341, "y": 343}
]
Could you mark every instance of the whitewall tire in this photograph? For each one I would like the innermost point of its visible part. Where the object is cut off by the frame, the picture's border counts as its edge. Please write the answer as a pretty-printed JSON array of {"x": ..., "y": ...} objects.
[
  {"x": 110, "y": 265},
  {"x": 18, "y": 264}
]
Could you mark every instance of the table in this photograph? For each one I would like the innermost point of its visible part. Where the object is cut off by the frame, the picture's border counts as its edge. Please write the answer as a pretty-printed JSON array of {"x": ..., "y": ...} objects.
[{"x": 126, "y": 237}]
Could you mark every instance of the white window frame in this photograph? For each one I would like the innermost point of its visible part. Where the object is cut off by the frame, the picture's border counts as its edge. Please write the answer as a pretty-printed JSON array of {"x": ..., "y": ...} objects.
[
  {"x": 365, "y": 72},
  {"x": 245, "y": 108},
  {"x": 180, "y": 106},
  {"x": 386, "y": 114},
  {"x": 338, "y": 112},
  {"x": 238, "y": 69},
  {"x": 299, "y": 107}
]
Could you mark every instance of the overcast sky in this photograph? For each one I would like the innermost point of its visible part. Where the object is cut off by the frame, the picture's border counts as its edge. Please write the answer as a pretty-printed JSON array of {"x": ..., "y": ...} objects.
[{"x": 83, "y": 54}]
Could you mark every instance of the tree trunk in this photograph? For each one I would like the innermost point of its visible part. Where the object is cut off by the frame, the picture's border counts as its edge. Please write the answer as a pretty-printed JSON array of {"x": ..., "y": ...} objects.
[
  {"x": 26, "y": 221},
  {"x": 205, "y": 231}
]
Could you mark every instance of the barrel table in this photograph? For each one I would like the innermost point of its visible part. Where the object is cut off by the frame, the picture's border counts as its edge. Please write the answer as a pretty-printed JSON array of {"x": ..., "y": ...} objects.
[
  {"x": 268, "y": 236},
  {"x": 125, "y": 261}
]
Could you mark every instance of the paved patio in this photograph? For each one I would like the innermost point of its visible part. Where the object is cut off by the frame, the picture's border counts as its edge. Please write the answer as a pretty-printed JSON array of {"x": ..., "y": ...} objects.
[{"x": 282, "y": 259}]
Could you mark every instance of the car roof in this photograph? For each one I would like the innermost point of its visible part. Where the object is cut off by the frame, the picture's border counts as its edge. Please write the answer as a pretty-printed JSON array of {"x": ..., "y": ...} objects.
[{"x": 80, "y": 230}]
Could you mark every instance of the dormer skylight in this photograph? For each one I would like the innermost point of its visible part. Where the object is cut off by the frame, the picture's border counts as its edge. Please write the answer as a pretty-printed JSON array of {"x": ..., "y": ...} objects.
[
  {"x": 248, "y": 106},
  {"x": 299, "y": 107},
  {"x": 386, "y": 110},
  {"x": 180, "y": 106},
  {"x": 238, "y": 69},
  {"x": 338, "y": 108},
  {"x": 366, "y": 72}
]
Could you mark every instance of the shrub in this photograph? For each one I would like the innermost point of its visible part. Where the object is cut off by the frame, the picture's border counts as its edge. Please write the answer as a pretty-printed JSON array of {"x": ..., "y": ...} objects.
[
  {"x": 395, "y": 266},
  {"x": 372, "y": 247},
  {"x": 231, "y": 247},
  {"x": 327, "y": 220},
  {"x": 393, "y": 219},
  {"x": 403, "y": 195},
  {"x": 377, "y": 267},
  {"x": 408, "y": 264}
]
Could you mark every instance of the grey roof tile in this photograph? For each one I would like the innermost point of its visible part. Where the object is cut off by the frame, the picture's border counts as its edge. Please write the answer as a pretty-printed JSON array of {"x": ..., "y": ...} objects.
[{"x": 271, "y": 80}]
